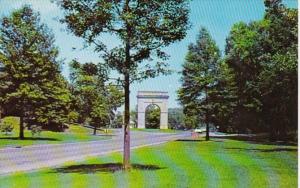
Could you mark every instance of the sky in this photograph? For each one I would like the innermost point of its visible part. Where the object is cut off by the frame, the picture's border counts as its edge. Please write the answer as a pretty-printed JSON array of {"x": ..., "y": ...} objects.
[{"x": 218, "y": 16}]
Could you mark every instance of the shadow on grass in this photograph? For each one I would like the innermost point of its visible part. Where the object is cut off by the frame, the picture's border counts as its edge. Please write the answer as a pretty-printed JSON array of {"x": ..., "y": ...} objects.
[
  {"x": 29, "y": 138},
  {"x": 256, "y": 140},
  {"x": 106, "y": 167},
  {"x": 264, "y": 150}
]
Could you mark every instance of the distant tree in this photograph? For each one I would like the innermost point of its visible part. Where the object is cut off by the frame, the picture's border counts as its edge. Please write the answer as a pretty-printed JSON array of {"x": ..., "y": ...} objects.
[
  {"x": 32, "y": 84},
  {"x": 134, "y": 117},
  {"x": 118, "y": 120},
  {"x": 152, "y": 118},
  {"x": 176, "y": 118},
  {"x": 143, "y": 28},
  {"x": 199, "y": 78},
  {"x": 88, "y": 86},
  {"x": 115, "y": 97}
]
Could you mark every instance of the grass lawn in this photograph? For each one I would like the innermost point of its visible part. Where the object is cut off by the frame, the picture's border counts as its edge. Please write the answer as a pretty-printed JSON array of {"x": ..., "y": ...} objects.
[
  {"x": 75, "y": 133},
  {"x": 217, "y": 163}
]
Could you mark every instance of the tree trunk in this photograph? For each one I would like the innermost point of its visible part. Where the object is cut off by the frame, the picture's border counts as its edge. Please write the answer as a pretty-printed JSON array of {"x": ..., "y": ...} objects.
[
  {"x": 95, "y": 130},
  {"x": 21, "y": 134},
  {"x": 126, "y": 153},
  {"x": 206, "y": 115},
  {"x": 207, "y": 131},
  {"x": 126, "y": 157}
]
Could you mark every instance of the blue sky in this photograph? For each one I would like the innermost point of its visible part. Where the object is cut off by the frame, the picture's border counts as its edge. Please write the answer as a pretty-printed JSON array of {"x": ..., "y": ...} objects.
[{"x": 217, "y": 16}]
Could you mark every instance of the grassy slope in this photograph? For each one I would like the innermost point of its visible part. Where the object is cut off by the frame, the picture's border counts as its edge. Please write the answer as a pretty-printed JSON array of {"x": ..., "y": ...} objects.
[
  {"x": 73, "y": 134},
  {"x": 217, "y": 163}
]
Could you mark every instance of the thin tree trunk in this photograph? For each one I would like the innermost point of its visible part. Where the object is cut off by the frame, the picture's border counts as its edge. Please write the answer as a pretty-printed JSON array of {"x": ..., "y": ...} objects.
[
  {"x": 126, "y": 153},
  {"x": 95, "y": 130},
  {"x": 207, "y": 131},
  {"x": 21, "y": 134},
  {"x": 126, "y": 158},
  {"x": 206, "y": 116}
]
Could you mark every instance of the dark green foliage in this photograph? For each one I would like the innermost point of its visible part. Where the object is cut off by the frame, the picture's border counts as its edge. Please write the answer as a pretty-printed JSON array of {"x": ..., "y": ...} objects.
[
  {"x": 263, "y": 55},
  {"x": 223, "y": 97},
  {"x": 32, "y": 87}
]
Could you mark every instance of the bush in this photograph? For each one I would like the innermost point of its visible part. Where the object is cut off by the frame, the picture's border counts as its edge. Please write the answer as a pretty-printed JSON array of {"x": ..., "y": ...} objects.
[
  {"x": 73, "y": 117},
  {"x": 35, "y": 130},
  {"x": 7, "y": 124}
]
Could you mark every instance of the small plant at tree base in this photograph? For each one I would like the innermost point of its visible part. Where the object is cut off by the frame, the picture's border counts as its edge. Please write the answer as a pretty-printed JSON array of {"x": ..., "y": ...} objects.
[
  {"x": 35, "y": 130},
  {"x": 6, "y": 126}
]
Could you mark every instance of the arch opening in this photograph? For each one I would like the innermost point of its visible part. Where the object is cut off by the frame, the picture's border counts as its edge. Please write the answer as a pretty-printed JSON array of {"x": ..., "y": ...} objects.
[{"x": 152, "y": 116}]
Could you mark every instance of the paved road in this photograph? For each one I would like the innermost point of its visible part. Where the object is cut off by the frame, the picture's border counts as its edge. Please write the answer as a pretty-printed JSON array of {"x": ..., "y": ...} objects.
[{"x": 40, "y": 156}]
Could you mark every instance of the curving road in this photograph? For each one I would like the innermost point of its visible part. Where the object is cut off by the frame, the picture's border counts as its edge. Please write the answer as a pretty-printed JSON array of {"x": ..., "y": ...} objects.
[{"x": 40, "y": 156}]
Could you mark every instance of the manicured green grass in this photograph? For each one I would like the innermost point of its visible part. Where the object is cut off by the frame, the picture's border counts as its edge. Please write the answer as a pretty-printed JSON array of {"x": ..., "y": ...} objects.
[
  {"x": 216, "y": 163},
  {"x": 75, "y": 133}
]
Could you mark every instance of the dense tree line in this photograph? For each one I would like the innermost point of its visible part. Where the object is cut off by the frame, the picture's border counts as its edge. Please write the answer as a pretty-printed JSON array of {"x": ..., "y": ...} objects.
[
  {"x": 31, "y": 85},
  {"x": 253, "y": 88},
  {"x": 33, "y": 88}
]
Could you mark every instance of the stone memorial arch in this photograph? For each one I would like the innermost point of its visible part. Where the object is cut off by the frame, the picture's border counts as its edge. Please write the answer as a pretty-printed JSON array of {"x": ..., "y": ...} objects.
[{"x": 146, "y": 98}]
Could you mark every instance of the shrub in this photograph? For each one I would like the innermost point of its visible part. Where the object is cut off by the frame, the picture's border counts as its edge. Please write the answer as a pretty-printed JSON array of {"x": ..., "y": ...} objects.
[
  {"x": 73, "y": 117},
  {"x": 35, "y": 130},
  {"x": 7, "y": 124}
]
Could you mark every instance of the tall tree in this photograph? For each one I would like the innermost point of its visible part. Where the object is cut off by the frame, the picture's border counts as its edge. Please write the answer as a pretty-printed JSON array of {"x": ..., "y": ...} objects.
[
  {"x": 199, "y": 77},
  {"x": 30, "y": 62},
  {"x": 279, "y": 77},
  {"x": 244, "y": 53},
  {"x": 143, "y": 27}
]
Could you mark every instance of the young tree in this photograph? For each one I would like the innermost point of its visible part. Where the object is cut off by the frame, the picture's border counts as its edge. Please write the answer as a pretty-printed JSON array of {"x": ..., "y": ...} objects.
[
  {"x": 143, "y": 27},
  {"x": 29, "y": 59},
  {"x": 199, "y": 77}
]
